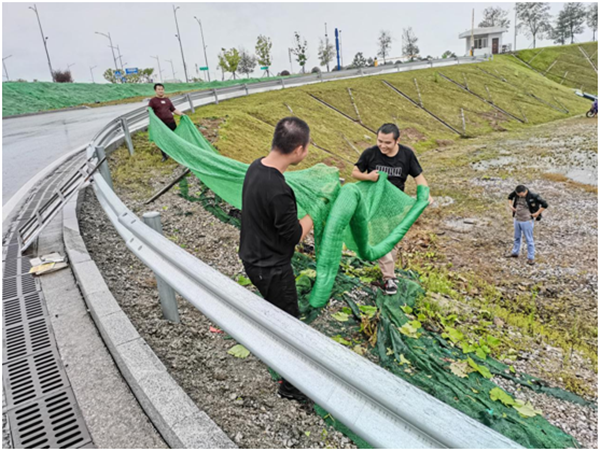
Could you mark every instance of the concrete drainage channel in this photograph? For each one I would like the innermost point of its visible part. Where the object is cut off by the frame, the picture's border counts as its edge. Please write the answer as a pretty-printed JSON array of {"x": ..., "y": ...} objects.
[{"x": 342, "y": 383}]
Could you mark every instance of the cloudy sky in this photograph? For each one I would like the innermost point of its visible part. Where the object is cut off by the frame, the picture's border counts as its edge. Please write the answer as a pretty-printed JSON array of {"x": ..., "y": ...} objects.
[{"x": 146, "y": 28}]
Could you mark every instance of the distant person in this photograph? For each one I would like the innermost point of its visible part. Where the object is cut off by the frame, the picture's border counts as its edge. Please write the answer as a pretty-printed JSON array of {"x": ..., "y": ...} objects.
[
  {"x": 164, "y": 109},
  {"x": 270, "y": 228},
  {"x": 398, "y": 162},
  {"x": 526, "y": 207}
]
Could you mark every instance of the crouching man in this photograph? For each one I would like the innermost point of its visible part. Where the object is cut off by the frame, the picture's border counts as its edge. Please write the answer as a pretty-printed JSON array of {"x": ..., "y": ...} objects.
[{"x": 526, "y": 208}]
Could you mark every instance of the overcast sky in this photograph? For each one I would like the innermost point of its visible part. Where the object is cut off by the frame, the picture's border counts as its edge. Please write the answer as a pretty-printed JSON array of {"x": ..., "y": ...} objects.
[{"x": 145, "y": 29}]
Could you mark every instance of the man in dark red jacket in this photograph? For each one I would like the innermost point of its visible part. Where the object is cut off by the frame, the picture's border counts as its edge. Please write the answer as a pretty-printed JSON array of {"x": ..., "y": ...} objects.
[{"x": 164, "y": 109}]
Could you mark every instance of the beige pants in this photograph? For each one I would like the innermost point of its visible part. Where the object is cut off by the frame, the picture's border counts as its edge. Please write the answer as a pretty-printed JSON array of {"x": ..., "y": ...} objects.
[{"x": 387, "y": 263}]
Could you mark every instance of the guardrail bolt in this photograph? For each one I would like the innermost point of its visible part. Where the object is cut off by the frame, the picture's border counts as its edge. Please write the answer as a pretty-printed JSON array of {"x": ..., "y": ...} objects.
[
  {"x": 127, "y": 135},
  {"x": 165, "y": 292},
  {"x": 104, "y": 169}
]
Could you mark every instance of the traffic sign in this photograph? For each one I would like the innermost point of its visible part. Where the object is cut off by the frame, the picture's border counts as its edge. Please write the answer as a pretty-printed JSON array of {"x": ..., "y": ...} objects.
[
  {"x": 204, "y": 68},
  {"x": 264, "y": 68},
  {"x": 132, "y": 70},
  {"x": 118, "y": 73}
]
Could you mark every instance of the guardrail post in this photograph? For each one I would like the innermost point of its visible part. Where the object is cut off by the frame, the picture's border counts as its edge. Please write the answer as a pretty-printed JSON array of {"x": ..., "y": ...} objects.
[
  {"x": 245, "y": 86},
  {"x": 189, "y": 98},
  {"x": 103, "y": 169},
  {"x": 281, "y": 81},
  {"x": 165, "y": 292},
  {"x": 361, "y": 72},
  {"x": 457, "y": 60},
  {"x": 321, "y": 76},
  {"x": 216, "y": 96},
  {"x": 127, "y": 135}
]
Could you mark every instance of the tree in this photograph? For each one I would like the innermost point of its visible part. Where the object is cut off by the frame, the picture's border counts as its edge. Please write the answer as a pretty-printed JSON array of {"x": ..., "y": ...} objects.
[
  {"x": 359, "y": 61},
  {"x": 62, "y": 76},
  {"x": 143, "y": 76},
  {"x": 247, "y": 63},
  {"x": 560, "y": 32},
  {"x": 495, "y": 17},
  {"x": 263, "y": 51},
  {"x": 326, "y": 53},
  {"x": 592, "y": 19},
  {"x": 534, "y": 20},
  {"x": 448, "y": 54},
  {"x": 409, "y": 43},
  {"x": 300, "y": 50},
  {"x": 370, "y": 62},
  {"x": 384, "y": 44},
  {"x": 229, "y": 60},
  {"x": 573, "y": 17},
  {"x": 109, "y": 75}
]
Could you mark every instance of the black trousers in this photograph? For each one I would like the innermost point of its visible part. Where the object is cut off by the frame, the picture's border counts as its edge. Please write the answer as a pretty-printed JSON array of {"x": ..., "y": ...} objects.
[
  {"x": 172, "y": 126},
  {"x": 277, "y": 285}
]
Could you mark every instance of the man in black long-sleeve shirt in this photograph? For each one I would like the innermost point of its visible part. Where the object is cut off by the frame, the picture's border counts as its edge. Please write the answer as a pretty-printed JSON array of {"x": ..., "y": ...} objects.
[{"x": 270, "y": 227}]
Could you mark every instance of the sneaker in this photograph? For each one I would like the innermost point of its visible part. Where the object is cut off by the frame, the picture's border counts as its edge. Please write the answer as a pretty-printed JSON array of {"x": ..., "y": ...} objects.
[
  {"x": 511, "y": 255},
  {"x": 390, "y": 287},
  {"x": 164, "y": 158},
  {"x": 288, "y": 391},
  {"x": 530, "y": 262}
]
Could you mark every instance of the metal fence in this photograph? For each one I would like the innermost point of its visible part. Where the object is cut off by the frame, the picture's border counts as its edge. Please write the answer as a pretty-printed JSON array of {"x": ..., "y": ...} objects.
[{"x": 379, "y": 407}]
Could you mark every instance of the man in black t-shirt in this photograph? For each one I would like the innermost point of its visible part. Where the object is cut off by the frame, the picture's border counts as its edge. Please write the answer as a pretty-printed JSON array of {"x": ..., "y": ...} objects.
[
  {"x": 270, "y": 227},
  {"x": 398, "y": 162}
]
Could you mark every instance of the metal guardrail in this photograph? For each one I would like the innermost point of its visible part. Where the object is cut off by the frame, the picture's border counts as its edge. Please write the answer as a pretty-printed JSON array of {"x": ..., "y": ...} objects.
[{"x": 381, "y": 408}]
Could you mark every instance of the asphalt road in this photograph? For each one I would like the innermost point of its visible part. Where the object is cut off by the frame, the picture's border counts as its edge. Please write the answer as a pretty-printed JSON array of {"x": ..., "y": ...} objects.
[{"x": 31, "y": 143}]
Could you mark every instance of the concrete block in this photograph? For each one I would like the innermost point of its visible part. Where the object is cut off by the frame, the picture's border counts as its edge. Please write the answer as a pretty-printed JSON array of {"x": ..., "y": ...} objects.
[
  {"x": 75, "y": 246},
  {"x": 102, "y": 303},
  {"x": 198, "y": 431},
  {"x": 89, "y": 277},
  {"x": 140, "y": 359},
  {"x": 117, "y": 328}
]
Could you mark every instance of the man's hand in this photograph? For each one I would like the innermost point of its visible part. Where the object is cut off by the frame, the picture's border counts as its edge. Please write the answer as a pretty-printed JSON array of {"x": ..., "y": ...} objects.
[
  {"x": 512, "y": 208},
  {"x": 373, "y": 176}
]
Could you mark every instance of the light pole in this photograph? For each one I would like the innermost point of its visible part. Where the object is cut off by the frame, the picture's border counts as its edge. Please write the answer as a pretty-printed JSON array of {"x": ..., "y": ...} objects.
[
  {"x": 159, "y": 70},
  {"x": 341, "y": 51},
  {"x": 515, "y": 49},
  {"x": 4, "y": 66},
  {"x": 92, "y": 72},
  {"x": 44, "y": 39},
  {"x": 290, "y": 56},
  {"x": 178, "y": 35},
  {"x": 120, "y": 57},
  {"x": 204, "y": 47},
  {"x": 172, "y": 68},
  {"x": 326, "y": 44},
  {"x": 112, "y": 49}
]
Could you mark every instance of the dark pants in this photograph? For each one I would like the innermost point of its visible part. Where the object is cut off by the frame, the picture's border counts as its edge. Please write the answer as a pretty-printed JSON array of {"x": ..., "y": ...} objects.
[
  {"x": 277, "y": 285},
  {"x": 172, "y": 126}
]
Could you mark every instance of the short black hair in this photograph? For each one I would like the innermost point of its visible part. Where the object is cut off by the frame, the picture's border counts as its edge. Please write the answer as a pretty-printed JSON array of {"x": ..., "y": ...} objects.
[
  {"x": 290, "y": 132},
  {"x": 386, "y": 129},
  {"x": 157, "y": 85},
  {"x": 521, "y": 189}
]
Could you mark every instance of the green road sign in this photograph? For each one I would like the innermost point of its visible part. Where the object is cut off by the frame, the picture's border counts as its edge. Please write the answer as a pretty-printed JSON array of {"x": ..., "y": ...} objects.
[
  {"x": 204, "y": 68},
  {"x": 264, "y": 68}
]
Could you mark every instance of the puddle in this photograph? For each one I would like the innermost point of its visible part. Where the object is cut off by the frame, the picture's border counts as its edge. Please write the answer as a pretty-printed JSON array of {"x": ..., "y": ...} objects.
[{"x": 589, "y": 177}]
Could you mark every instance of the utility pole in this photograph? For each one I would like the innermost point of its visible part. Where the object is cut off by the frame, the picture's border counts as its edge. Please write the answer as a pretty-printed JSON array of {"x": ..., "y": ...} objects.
[
  {"x": 204, "y": 48},
  {"x": 337, "y": 47},
  {"x": 159, "y": 70},
  {"x": 111, "y": 47},
  {"x": 120, "y": 57},
  {"x": 290, "y": 56},
  {"x": 473, "y": 33},
  {"x": 44, "y": 39},
  {"x": 92, "y": 72},
  {"x": 326, "y": 44},
  {"x": 69, "y": 66},
  {"x": 178, "y": 35},
  {"x": 4, "y": 67},
  {"x": 515, "y": 49},
  {"x": 341, "y": 51},
  {"x": 172, "y": 68}
]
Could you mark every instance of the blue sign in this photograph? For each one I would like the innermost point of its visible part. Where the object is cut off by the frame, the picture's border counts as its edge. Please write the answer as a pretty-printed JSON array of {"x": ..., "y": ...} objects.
[
  {"x": 117, "y": 73},
  {"x": 129, "y": 71}
]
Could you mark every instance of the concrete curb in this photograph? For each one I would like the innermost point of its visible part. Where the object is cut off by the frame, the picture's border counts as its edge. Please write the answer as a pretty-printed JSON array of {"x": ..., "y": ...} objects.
[{"x": 173, "y": 413}]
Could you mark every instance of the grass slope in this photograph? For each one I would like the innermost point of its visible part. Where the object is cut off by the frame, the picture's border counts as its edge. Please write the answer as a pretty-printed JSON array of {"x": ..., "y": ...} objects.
[
  {"x": 566, "y": 62},
  {"x": 21, "y": 98},
  {"x": 246, "y": 124}
]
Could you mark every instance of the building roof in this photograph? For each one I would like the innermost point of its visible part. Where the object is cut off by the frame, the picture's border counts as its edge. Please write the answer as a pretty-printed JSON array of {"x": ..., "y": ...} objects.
[{"x": 482, "y": 31}]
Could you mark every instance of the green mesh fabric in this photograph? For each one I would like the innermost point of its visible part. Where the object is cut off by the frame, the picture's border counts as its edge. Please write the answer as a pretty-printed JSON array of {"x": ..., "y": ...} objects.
[{"x": 369, "y": 218}]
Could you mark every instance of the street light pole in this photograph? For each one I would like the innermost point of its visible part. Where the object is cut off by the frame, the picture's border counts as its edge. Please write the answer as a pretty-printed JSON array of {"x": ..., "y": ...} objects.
[
  {"x": 159, "y": 70},
  {"x": 515, "y": 49},
  {"x": 4, "y": 66},
  {"x": 326, "y": 44},
  {"x": 92, "y": 72},
  {"x": 44, "y": 39},
  {"x": 204, "y": 47},
  {"x": 341, "y": 51},
  {"x": 180, "y": 45},
  {"x": 290, "y": 56},
  {"x": 172, "y": 68},
  {"x": 112, "y": 49}
]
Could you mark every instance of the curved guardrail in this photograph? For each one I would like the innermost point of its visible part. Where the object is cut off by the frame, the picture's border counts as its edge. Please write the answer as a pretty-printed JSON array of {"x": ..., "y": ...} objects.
[{"x": 379, "y": 407}]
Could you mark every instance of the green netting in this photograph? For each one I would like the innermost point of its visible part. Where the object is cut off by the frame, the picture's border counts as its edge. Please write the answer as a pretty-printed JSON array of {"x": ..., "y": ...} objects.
[
  {"x": 369, "y": 217},
  {"x": 423, "y": 360}
]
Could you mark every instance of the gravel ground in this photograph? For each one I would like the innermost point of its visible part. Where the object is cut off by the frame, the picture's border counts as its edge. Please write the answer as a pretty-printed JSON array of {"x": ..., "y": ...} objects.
[{"x": 239, "y": 395}]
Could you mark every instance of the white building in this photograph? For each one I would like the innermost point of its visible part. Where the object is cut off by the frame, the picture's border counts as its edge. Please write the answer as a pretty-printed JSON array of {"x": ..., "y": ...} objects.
[{"x": 487, "y": 41}]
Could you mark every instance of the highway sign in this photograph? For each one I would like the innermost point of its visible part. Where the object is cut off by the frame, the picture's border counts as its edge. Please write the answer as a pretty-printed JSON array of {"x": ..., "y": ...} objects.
[
  {"x": 132, "y": 70},
  {"x": 203, "y": 68}
]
